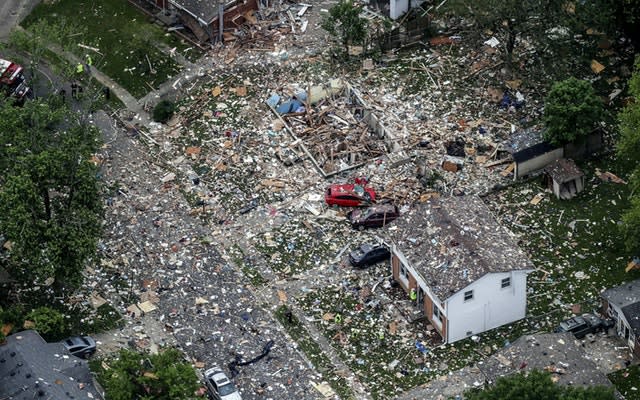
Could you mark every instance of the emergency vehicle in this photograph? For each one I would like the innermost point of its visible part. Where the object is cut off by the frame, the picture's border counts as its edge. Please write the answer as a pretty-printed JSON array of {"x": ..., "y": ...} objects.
[{"x": 12, "y": 80}]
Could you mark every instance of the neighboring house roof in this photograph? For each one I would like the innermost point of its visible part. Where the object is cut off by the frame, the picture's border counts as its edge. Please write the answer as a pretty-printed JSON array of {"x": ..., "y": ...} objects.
[
  {"x": 627, "y": 298},
  {"x": 34, "y": 369},
  {"x": 204, "y": 10},
  {"x": 558, "y": 353},
  {"x": 453, "y": 241},
  {"x": 563, "y": 170}
]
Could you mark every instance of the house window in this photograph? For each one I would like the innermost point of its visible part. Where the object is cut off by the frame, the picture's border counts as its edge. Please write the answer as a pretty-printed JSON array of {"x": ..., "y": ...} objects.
[
  {"x": 437, "y": 314},
  {"x": 506, "y": 282},
  {"x": 468, "y": 295},
  {"x": 403, "y": 272}
]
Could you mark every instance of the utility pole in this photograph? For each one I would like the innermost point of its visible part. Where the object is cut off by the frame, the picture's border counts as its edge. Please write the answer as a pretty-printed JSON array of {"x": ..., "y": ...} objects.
[{"x": 220, "y": 20}]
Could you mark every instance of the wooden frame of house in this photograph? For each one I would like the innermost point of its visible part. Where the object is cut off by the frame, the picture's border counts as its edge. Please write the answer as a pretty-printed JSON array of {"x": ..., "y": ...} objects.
[
  {"x": 622, "y": 303},
  {"x": 564, "y": 178},
  {"x": 469, "y": 274}
]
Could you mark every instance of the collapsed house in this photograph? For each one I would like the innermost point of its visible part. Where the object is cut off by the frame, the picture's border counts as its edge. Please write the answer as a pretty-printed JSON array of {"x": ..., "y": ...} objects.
[
  {"x": 334, "y": 127},
  {"x": 468, "y": 273}
]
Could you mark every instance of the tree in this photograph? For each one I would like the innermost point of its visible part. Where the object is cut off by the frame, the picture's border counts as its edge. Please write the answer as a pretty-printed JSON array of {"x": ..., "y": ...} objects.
[
  {"x": 50, "y": 205},
  {"x": 344, "y": 22},
  {"x": 537, "y": 385},
  {"x": 163, "y": 376},
  {"x": 628, "y": 150},
  {"x": 571, "y": 111},
  {"x": 48, "y": 322}
]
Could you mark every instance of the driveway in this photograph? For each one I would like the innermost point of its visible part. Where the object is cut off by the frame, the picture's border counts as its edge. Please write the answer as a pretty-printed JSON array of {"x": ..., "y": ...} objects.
[{"x": 11, "y": 13}]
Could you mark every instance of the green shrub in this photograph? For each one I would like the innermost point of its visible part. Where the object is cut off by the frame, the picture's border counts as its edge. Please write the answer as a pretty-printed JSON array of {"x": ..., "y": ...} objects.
[
  {"x": 48, "y": 322},
  {"x": 163, "y": 111}
]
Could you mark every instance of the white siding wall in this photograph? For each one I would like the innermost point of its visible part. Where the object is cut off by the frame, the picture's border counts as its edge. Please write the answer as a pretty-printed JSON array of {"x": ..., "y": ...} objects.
[
  {"x": 490, "y": 307},
  {"x": 397, "y": 8}
]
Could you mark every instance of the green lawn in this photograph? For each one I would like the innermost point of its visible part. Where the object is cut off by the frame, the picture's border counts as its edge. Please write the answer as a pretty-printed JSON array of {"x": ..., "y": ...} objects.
[
  {"x": 127, "y": 40},
  {"x": 627, "y": 381}
]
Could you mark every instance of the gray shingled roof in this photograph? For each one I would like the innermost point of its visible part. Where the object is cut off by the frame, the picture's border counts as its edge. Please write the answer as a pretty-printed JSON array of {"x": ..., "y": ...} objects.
[
  {"x": 31, "y": 368},
  {"x": 563, "y": 170},
  {"x": 557, "y": 353},
  {"x": 623, "y": 295},
  {"x": 627, "y": 298},
  {"x": 453, "y": 241}
]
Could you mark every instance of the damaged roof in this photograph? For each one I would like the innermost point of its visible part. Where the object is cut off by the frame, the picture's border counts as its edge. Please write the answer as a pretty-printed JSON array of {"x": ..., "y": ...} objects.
[
  {"x": 556, "y": 353},
  {"x": 204, "y": 10},
  {"x": 563, "y": 170},
  {"x": 32, "y": 368},
  {"x": 453, "y": 241},
  {"x": 627, "y": 298}
]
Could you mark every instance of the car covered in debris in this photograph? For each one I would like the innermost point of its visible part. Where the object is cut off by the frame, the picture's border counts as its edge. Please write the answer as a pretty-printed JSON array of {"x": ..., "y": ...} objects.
[
  {"x": 349, "y": 195},
  {"x": 80, "y": 346},
  {"x": 373, "y": 217},
  {"x": 583, "y": 325},
  {"x": 368, "y": 254},
  {"x": 219, "y": 386}
]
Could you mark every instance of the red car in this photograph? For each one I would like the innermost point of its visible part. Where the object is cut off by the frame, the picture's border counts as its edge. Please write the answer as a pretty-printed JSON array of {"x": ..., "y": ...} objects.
[{"x": 349, "y": 195}]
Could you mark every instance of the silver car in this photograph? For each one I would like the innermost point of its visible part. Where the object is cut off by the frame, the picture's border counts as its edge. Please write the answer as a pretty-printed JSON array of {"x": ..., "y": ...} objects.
[{"x": 219, "y": 386}]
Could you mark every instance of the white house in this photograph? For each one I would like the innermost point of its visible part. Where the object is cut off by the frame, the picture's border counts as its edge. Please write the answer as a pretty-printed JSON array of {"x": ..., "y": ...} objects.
[
  {"x": 469, "y": 274},
  {"x": 622, "y": 303}
]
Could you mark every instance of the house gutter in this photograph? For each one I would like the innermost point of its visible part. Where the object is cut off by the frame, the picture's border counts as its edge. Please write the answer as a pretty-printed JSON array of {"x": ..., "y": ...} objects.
[{"x": 178, "y": 6}]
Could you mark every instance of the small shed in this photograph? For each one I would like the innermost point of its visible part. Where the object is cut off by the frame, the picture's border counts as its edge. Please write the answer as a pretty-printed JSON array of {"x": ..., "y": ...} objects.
[{"x": 564, "y": 178}]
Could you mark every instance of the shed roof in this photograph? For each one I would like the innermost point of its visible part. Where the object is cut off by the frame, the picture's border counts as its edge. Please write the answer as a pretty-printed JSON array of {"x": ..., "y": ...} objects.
[
  {"x": 563, "y": 170},
  {"x": 33, "y": 368},
  {"x": 453, "y": 241}
]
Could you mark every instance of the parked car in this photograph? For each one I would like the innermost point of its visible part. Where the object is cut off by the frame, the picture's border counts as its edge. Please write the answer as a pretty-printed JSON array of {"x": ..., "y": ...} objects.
[
  {"x": 80, "y": 346},
  {"x": 581, "y": 326},
  {"x": 373, "y": 217},
  {"x": 349, "y": 195},
  {"x": 368, "y": 254},
  {"x": 219, "y": 386}
]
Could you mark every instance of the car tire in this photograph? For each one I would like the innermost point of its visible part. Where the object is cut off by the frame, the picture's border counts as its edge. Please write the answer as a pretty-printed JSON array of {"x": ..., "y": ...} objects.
[
  {"x": 360, "y": 228},
  {"x": 367, "y": 197}
]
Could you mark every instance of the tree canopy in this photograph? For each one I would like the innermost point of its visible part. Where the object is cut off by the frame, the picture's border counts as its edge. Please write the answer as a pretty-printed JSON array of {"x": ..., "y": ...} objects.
[
  {"x": 162, "y": 376},
  {"x": 571, "y": 111},
  {"x": 628, "y": 150},
  {"x": 344, "y": 22},
  {"x": 537, "y": 385},
  {"x": 50, "y": 205}
]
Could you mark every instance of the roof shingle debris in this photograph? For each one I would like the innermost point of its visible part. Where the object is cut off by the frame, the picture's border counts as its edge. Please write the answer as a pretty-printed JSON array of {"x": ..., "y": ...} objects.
[{"x": 452, "y": 241}]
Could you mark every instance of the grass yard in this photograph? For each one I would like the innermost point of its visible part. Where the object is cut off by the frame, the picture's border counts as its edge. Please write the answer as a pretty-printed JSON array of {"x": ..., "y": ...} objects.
[
  {"x": 129, "y": 43},
  {"x": 627, "y": 381},
  {"x": 573, "y": 243}
]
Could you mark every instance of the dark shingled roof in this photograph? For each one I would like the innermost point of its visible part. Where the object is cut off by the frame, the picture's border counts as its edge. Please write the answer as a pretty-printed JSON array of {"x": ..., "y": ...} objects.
[
  {"x": 453, "y": 241},
  {"x": 563, "y": 170},
  {"x": 532, "y": 152},
  {"x": 627, "y": 298},
  {"x": 31, "y": 368}
]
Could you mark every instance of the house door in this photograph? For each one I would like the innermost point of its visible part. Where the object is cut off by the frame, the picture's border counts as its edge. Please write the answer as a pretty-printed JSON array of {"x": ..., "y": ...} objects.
[{"x": 420, "y": 299}]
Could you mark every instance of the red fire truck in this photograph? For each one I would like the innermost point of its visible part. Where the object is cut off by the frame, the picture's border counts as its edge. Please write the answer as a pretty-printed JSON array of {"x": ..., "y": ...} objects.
[{"x": 12, "y": 81}]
